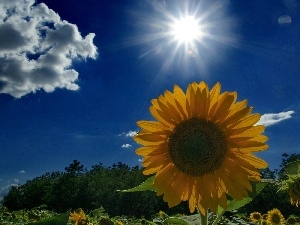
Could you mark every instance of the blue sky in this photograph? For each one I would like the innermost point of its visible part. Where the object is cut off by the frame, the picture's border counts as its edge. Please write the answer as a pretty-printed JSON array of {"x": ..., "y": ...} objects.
[{"x": 75, "y": 78}]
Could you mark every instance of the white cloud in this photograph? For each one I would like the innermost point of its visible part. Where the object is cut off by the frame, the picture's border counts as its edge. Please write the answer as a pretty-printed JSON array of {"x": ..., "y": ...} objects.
[
  {"x": 128, "y": 134},
  {"x": 269, "y": 119},
  {"x": 22, "y": 171},
  {"x": 131, "y": 133},
  {"x": 37, "y": 49},
  {"x": 16, "y": 180},
  {"x": 126, "y": 146}
]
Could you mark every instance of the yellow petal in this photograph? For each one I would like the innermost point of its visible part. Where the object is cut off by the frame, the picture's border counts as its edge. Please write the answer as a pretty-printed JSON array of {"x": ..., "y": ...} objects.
[
  {"x": 254, "y": 149},
  {"x": 171, "y": 103},
  {"x": 249, "y": 131},
  {"x": 202, "y": 103},
  {"x": 214, "y": 95},
  {"x": 180, "y": 100},
  {"x": 237, "y": 116},
  {"x": 159, "y": 150},
  {"x": 253, "y": 160},
  {"x": 156, "y": 160},
  {"x": 151, "y": 126},
  {"x": 168, "y": 112},
  {"x": 222, "y": 109},
  {"x": 192, "y": 196},
  {"x": 149, "y": 139},
  {"x": 160, "y": 117},
  {"x": 151, "y": 170},
  {"x": 143, "y": 151},
  {"x": 232, "y": 188},
  {"x": 211, "y": 191},
  {"x": 190, "y": 95},
  {"x": 249, "y": 120},
  {"x": 236, "y": 174},
  {"x": 238, "y": 106}
]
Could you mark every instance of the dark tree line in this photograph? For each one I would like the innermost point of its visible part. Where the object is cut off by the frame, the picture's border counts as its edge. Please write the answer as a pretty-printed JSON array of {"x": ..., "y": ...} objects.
[{"x": 78, "y": 187}]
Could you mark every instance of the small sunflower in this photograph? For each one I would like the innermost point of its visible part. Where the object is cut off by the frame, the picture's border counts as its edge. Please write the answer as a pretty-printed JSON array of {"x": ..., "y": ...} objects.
[
  {"x": 78, "y": 216},
  {"x": 264, "y": 222},
  {"x": 255, "y": 217},
  {"x": 201, "y": 146},
  {"x": 292, "y": 220},
  {"x": 294, "y": 193},
  {"x": 275, "y": 217},
  {"x": 161, "y": 214}
]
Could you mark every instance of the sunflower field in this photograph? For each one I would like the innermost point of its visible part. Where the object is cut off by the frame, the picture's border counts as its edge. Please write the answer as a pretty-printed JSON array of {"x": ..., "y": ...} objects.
[{"x": 44, "y": 200}]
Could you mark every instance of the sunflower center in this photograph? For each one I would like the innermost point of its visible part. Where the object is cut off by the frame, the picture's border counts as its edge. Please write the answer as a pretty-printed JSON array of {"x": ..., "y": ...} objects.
[
  {"x": 276, "y": 219},
  {"x": 197, "y": 146},
  {"x": 256, "y": 217}
]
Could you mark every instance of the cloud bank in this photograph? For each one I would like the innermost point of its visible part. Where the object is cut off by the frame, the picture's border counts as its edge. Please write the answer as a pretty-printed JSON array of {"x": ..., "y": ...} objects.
[
  {"x": 37, "y": 49},
  {"x": 269, "y": 119}
]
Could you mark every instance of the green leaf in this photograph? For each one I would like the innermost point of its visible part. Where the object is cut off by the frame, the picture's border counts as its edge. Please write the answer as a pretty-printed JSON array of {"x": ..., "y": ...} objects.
[
  {"x": 61, "y": 219},
  {"x": 235, "y": 204},
  {"x": 293, "y": 168},
  {"x": 174, "y": 220},
  {"x": 145, "y": 186}
]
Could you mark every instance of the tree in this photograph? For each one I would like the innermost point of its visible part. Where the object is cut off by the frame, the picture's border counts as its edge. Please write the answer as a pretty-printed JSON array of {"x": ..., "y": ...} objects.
[
  {"x": 286, "y": 159},
  {"x": 75, "y": 168}
]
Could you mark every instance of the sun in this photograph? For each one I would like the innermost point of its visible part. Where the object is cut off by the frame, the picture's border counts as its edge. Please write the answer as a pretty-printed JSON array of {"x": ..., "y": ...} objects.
[
  {"x": 184, "y": 35},
  {"x": 186, "y": 30}
]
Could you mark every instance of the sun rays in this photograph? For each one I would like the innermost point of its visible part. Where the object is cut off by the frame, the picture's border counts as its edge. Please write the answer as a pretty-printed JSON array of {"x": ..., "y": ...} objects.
[{"x": 185, "y": 36}]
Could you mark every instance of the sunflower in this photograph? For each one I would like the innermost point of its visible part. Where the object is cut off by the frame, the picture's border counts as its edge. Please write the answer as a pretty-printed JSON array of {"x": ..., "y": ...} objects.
[
  {"x": 292, "y": 220},
  {"x": 161, "y": 214},
  {"x": 275, "y": 217},
  {"x": 201, "y": 146},
  {"x": 294, "y": 193},
  {"x": 78, "y": 216},
  {"x": 255, "y": 217}
]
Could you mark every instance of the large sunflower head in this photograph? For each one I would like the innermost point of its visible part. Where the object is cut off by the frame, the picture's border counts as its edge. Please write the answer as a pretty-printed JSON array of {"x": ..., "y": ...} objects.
[
  {"x": 275, "y": 217},
  {"x": 201, "y": 146}
]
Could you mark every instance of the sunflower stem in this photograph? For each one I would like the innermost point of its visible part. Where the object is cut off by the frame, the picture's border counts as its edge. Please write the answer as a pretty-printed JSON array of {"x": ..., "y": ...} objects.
[
  {"x": 218, "y": 218},
  {"x": 203, "y": 218}
]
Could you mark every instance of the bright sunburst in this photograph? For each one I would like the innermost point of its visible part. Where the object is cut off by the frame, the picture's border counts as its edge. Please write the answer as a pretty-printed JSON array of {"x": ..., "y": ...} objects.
[
  {"x": 186, "y": 30},
  {"x": 186, "y": 34}
]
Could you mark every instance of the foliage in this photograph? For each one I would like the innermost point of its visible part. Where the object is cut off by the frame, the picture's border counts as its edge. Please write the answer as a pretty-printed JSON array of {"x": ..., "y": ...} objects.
[
  {"x": 34, "y": 216},
  {"x": 54, "y": 220},
  {"x": 98, "y": 187},
  {"x": 286, "y": 160},
  {"x": 90, "y": 189}
]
